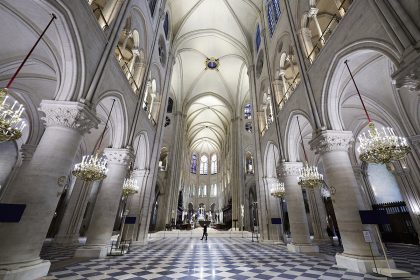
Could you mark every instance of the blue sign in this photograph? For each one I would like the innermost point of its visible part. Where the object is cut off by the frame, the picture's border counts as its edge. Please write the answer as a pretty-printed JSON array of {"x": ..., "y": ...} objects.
[
  {"x": 373, "y": 217},
  {"x": 11, "y": 213}
]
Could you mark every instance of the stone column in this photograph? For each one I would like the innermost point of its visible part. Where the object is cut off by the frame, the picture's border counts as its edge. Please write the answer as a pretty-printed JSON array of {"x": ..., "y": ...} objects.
[
  {"x": 333, "y": 147},
  {"x": 103, "y": 217},
  {"x": 89, "y": 207},
  {"x": 318, "y": 214},
  {"x": 313, "y": 12},
  {"x": 38, "y": 186},
  {"x": 73, "y": 216},
  {"x": 237, "y": 178},
  {"x": 299, "y": 228},
  {"x": 274, "y": 210},
  {"x": 131, "y": 231}
]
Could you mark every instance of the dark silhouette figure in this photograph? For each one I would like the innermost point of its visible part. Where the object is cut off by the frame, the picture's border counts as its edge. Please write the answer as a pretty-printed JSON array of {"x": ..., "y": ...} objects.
[{"x": 204, "y": 232}]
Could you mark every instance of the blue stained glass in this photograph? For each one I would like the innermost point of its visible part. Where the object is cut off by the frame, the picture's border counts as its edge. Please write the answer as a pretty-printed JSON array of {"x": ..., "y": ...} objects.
[
  {"x": 258, "y": 37},
  {"x": 166, "y": 26},
  {"x": 212, "y": 64},
  {"x": 271, "y": 23},
  {"x": 248, "y": 111},
  {"x": 194, "y": 164},
  {"x": 276, "y": 10},
  {"x": 273, "y": 14}
]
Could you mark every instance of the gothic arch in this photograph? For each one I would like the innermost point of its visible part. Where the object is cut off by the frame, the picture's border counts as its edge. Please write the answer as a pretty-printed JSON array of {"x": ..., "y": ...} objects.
[
  {"x": 141, "y": 145},
  {"x": 293, "y": 148},
  {"x": 271, "y": 160},
  {"x": 330, "y": 96}
]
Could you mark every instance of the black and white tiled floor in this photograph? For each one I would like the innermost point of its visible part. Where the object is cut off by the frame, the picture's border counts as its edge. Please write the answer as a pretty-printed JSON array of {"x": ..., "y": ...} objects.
[{"x": 218, "y": 258}]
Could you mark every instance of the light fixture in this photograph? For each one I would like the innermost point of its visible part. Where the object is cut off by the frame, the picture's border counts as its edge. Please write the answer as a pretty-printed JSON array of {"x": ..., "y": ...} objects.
[
  {"x": 130, "y": 187},
  {"x": 93, "y": 167},
  {"x": 11, "y": 123},
  {"x": 279, "y": 190},
  {"x": 379, "y": 146},
  {"x": 309, "y": 176}
]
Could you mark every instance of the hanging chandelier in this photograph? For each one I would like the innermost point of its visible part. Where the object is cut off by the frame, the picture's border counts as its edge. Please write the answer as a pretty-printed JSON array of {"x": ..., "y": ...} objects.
[
  {"x": 279, "y": 190},
  {"x": 379, "y": 146},
  {"x": 11, "y": 122},
  {"x": 309, "y": 176},
  {"x": 93, "y": 167},
  {"x": 130, "y": 186}
]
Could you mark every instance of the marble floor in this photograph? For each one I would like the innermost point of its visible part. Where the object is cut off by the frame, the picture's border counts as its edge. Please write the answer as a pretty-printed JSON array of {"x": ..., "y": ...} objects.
[{"x": 217, "y": 258}]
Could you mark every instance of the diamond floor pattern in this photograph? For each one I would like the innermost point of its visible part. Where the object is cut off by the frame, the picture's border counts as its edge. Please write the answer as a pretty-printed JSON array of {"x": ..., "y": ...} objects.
[{"x": 218, "y": 258}]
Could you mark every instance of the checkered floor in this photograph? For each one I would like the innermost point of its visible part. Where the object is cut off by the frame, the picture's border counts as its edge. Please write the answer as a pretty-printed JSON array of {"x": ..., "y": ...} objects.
[
  {"x": 55, "y": 253},
  {"x": 218, "y": 258}
]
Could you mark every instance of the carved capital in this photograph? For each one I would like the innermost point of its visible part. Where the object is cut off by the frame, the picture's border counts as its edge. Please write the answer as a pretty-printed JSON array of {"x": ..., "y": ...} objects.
[
  {"x": 68, "y": 114},
  {"x": 119, "y": 156},
  {"x": 289, "y": 169},
  {"x": 331, "y": 140}
]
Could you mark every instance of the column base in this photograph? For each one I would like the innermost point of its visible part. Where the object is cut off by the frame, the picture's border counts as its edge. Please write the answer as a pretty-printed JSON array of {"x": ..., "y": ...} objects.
[
  {"x": 302, "y": 248},
  {"x": 139, "y": 243},
  {"x": 22, "y": 272},
  {"x": 274, "y": 242},
  {"x": 392, "y": 273},
  {"x": 98, "y": 252},
  {"x": 362, "y": 264},
  {"x": 66, "y": 240}
]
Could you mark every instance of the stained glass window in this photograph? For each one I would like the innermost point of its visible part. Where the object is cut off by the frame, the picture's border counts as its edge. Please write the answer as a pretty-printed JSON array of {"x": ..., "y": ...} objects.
[
  {"x": 204, "y": 165},
  {"x": 248, "y": 126},
  {"x": 273, "y": 14},
  {"x": 258, "y": 37},
  {"x": 166, "y": 26},
  {"x": 214, "y": 164},
  {"x": 194, "y": 164},
  {"x": 248, "y": 111}
]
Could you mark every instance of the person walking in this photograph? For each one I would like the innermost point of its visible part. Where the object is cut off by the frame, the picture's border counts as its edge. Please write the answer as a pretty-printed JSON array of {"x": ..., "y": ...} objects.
[{"x": 204, "y": 232}]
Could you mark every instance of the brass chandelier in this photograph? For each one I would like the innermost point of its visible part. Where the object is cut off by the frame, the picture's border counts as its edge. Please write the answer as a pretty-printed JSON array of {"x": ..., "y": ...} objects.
[
  {"x": 130, "y": 186},
  {"x": 279, "y": 191},
  {"x": 11, "y": 122},
  {"x": 309, "y": 176},
  {"x": 93, "y": 167},
  {"x": 379, "y": 146}
]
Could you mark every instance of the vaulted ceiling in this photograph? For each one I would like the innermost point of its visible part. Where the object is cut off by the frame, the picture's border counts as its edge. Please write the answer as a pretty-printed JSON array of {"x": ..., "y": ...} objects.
[{"x": 220, "y": 29}]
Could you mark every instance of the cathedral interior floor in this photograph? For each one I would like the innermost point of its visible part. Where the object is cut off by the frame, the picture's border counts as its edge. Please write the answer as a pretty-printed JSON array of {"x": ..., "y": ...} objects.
[{"x": 217, "y": 258}]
